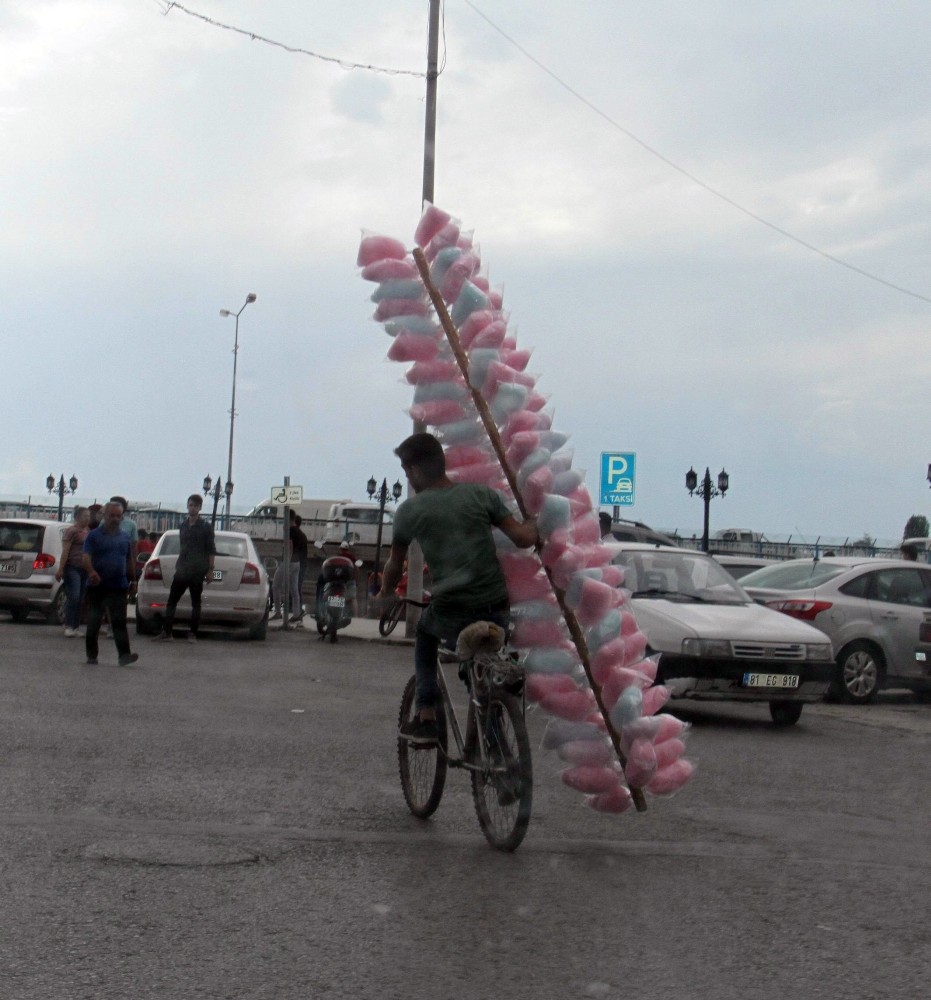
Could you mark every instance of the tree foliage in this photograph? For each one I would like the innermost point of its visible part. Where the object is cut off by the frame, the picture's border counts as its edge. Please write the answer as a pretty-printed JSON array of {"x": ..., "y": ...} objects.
[{"x": 916, "y": 527}]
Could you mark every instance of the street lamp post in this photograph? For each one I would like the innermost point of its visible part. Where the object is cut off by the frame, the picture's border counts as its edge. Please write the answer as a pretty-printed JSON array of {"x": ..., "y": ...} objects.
[
  {"x": 381, "y": 494},
  {"x": 61, "y": 489},
  {"x": 216, "y": 493},
  {"x": 229, "y": 465},
  {"x": 706, "y": 490}
]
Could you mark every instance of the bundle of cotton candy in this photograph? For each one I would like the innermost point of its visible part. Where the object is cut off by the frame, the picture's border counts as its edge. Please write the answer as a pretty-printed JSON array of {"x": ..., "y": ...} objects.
[{"x": 572, "y": 556}]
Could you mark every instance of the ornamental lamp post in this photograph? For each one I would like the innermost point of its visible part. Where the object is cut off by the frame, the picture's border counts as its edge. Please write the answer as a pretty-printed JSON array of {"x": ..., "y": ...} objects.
[
  {"x": 706, "y": 490},
  {"x": 61, "y": 489},
  {"x": 229, "y": 465},
  {"x": 380, "y": 493},
  {"x": 216, "y": 493}
]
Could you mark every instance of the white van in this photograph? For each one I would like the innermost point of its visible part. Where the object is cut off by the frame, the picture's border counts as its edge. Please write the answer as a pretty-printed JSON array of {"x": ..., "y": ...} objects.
[
  {"x": 357, "y": 523},
  {"x": 265, "y": 518}
]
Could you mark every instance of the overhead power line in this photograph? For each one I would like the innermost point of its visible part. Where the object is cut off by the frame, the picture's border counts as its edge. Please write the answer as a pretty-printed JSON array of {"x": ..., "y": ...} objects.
[
  {"x": 690, "y": 176},
  {"x": 169, "y": 5}
]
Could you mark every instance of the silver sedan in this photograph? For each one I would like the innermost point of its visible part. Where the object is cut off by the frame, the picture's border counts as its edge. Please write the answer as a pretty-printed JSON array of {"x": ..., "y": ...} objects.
[{"x": 877, "y": 613}]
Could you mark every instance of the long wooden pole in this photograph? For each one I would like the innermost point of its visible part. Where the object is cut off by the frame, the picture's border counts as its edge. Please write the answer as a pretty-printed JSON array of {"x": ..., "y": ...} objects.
[{"x": 575, "y": 630}]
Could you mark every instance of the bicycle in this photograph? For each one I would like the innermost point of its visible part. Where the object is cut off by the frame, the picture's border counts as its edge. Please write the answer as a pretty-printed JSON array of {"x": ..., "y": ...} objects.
[
  {"x": 495, "y": 749},
  {"x": 392, "y": 614},
  {"x": 397, "y": 612}
]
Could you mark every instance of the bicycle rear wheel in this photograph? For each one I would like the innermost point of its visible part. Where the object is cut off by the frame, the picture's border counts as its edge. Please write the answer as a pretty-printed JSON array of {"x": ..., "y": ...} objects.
[
  {"x": 503, "y": 790},
  {"x": 390, "y": 618},
  {"x": 423, "y": 769}
]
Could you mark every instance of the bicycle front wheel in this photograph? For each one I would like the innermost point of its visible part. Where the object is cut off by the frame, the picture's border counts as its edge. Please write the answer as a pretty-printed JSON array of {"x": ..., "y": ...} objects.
[
  {"x": 390, "y": 618},
  {"x": 502, "y": 789},
  {"x": 423, "y": 769}
]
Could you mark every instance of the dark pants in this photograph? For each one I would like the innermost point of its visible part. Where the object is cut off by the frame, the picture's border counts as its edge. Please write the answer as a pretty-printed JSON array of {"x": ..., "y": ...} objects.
[
  {"x": 178, "y": 586},
  {"x": 113, "y": 599},
  {"x": 436, "y": 627}
]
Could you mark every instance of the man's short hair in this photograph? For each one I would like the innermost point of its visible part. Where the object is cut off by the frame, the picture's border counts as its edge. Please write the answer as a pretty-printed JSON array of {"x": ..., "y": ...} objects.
[
  {"x": 425, "y": 452},
  {"x": 124, "y": 503},
  {"x": 197, "y": 499},
  {"x": 605, "y": 520}
]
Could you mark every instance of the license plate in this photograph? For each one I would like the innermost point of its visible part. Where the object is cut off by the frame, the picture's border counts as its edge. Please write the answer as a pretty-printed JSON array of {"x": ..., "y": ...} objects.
[
  {"x": 771, "y": 680},
  {"x": 336, "y": 602},
  {"x": 218, "y": 574},
  {"x": 8, "y": 567}
]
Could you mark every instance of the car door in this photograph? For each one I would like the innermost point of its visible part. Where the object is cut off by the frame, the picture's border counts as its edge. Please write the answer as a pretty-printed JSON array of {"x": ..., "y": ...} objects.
[{"x": 900, "y": 602}]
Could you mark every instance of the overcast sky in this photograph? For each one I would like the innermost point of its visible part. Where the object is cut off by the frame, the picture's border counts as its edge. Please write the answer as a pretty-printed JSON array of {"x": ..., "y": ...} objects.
[{"x": 156, "y": 169}]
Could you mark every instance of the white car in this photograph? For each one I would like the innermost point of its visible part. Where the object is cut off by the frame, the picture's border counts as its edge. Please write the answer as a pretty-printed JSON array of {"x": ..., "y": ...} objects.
[
  {"x": 714, "y": 642},
  {"x": 30, "y": 555},
  {"x": 237, "y": 597}
]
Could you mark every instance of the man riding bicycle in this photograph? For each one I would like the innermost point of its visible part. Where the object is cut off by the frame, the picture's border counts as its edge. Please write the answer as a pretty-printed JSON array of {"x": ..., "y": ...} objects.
[{"x": 453, "y": 524}]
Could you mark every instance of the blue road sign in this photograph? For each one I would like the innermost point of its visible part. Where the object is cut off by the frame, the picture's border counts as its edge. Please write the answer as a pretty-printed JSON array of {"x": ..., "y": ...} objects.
[{"x": 618, "y": 477}]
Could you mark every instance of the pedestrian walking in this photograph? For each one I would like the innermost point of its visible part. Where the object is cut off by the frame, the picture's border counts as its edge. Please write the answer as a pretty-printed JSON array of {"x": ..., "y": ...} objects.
[
  {"x": 108, "y": 562},
  {"x": 299, "y": 540},
  {"x": 288, "y": 573},
  {"x": 71, "y": 570},
  {"x": 193, "y": 569}
]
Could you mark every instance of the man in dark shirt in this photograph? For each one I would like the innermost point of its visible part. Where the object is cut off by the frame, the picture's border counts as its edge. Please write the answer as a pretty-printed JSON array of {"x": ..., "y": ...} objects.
[
  {"x": 299, "y": 550},
  {"x": 109, "y": 565},
  {"x": 193, "y": 569},
  {"x": 453, "y": 524}
]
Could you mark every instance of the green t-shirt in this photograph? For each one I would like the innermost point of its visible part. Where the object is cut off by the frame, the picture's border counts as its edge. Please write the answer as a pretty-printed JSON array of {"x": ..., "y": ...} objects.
[{"x": 453, "y": 527}]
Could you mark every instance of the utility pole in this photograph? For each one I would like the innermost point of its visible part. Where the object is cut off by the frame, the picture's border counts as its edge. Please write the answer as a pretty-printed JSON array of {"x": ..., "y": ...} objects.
[
  {"x": 415, "y": 555},
  {"x": 429, "y": 131}
]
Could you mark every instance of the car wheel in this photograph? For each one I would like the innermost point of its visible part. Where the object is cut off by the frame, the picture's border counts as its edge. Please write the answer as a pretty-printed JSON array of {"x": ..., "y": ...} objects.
[
  {"x": 860, "y": 668},
  {"x": 144, "y": 626},
  {"x": 260, "y": 631},
  {"x": 56, "y": 614},
  {"x": 785, "y": 713}
]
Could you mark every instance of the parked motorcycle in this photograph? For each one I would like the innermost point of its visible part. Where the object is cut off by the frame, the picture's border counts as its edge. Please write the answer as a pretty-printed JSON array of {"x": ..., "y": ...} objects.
[{"x": 335, "y": 592}]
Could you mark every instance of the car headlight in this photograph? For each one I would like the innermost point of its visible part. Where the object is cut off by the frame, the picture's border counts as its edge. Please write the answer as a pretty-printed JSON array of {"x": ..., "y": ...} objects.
[
  {"x": 818, "y": 651},
  {"x": 707, "y": 648}
]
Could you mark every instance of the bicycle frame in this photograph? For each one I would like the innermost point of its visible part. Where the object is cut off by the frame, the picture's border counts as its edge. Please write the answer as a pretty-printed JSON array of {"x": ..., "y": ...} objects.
[{"x": 462, "y": 758}]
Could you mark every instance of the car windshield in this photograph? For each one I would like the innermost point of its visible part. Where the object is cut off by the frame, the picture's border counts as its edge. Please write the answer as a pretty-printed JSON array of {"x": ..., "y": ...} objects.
[
  {"x": 21, "y": 537},
  {"x": 679, "y": 576},
  {"x": 793, "y": 575},
  {"x": 227, "y": 545}
]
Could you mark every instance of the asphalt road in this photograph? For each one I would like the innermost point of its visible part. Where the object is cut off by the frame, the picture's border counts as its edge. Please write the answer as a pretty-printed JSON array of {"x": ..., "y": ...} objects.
[{"x": 225, "y": 821}]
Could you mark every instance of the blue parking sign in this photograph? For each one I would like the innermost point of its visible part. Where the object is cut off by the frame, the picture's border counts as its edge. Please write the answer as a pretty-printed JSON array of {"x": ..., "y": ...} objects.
[{"x": 618, "y": 477}]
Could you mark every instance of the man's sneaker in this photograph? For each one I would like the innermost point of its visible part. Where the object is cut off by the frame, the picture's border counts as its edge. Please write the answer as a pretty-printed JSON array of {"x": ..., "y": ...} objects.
[
  {"x": 70, "y": 633},
  {"x": 124, "y": 661},
  {"x": 91, "y": 661},
  {"x": 275, "y": 617},
  {"x": 420, "y": 732},
  {"x": 294, "y": 619},
  {"x": 163, "y": 637},
  {"x": 191, "y": 637},
  {"x": 107, "y": 632}
]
